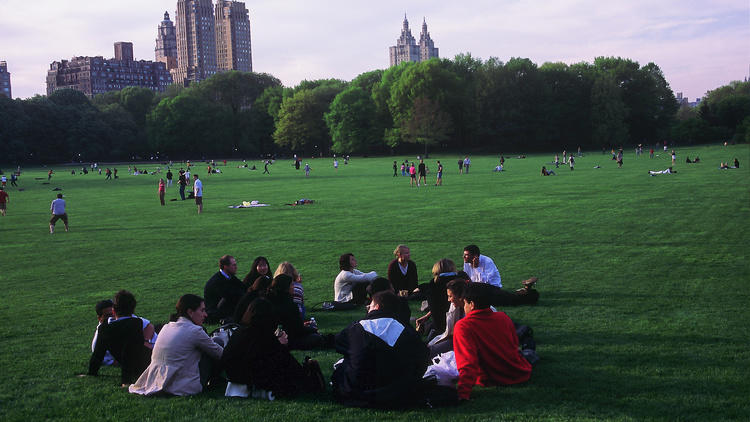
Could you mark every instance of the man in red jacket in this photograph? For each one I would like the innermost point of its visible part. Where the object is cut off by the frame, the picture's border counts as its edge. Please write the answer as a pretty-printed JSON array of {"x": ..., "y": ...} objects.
[{"x": 486, "y": 345}]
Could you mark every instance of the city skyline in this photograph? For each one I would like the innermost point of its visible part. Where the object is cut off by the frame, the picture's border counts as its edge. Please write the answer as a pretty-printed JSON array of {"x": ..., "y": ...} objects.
[{"x": 698, "y": 46}]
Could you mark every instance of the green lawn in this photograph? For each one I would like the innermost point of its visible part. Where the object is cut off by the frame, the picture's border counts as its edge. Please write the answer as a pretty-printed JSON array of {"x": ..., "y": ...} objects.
[{"x": 643, "y": 311}]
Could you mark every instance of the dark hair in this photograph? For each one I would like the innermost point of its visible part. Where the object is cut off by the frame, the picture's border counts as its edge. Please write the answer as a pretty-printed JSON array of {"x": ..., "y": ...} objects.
[
  {"x": 378, "y": 285},
  {"x": 260, "y": 315},
  {"x": 280, "y": 285},
  {"x": 102, "y": 305},
  {"x": 185, "y": 302},
  {"x": 480, "y": 294},
  {"x": 345, "y": 262},
  {"x": 59, "y": 195},
  {"x": 225, "y": 260},
  {"x": 253, "y": 275},
  {"x": 457, "y": 287},
  {"x": 386, "y": 301},
  {"x": 472, "y": 249},
  {"x": 124, "y": 303},
  {"x": 261, "y": 284}
]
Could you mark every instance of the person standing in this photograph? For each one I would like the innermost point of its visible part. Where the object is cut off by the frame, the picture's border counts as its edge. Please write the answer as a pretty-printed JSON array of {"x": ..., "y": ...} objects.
[
  {"x": 198, "y": 192},
  {"x": 571, "y": 162},
  {"x": 3, "y": 181},
  {"x": 413, "y": 175},
  {"x": 467, "y": 163},
  {"x": 115, "y": 171},
  {"x": 265, "y": 167},
  {"x": 108, "y": 173},
  {"x": 49, "y": 175},
  {"x": 403, "y": 168},
  {"x": 162, "y": 191},
  {"x": 58, "y": 213},
  {"x": 439, "y": 181},
  {"x": 169, "y": 177},
  {"x": 3, "y": 201},
  {"x": 307, "y": 169},
  {"x": 674, "y": 158},
  {"x": 335, "y": 164},
  {"x": 395, "y": 168},
  {"x": 460, "y": 166},
  {"x": 182, "y": 181},
  {"x": 422, "y": 173},
  {"x": 13, "y": 179}
]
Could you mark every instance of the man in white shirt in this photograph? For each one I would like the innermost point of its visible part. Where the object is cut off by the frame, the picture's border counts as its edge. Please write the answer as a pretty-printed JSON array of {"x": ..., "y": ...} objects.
[
  {"x": 198, "y": 191},
  {"x": 58, "y": 213},
  {"x": 480, "y": 268},
  {"x": 351, "y": 284}
]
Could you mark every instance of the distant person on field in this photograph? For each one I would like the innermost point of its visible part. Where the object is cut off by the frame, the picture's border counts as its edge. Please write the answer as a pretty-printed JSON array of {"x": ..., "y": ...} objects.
[
  {"x": 198, "y": 192},
  {"x": 546, "y": 172},
  {"x": 184, "y": 357},
  {"x": 572, "y": 162},
  {"x": 49, "y": 175},
  {"x": 3, "y": 201},
  {"x": 422, "y": 173},
  {"x": 467, "y": 163},
  {"x": 124, "y": 338},
  {"x": 667, "y": 171},
  {"x": 413, "y": 175},
  {"x": 182, "y": 181},
  {"x": 736, "y": 163},
  {"x": 439, "y": 180},
  {"x": 162, "y": 191},
  {"x": 307, "y": 169},
  {"x": 58, "y": 213},
  {"x": 223, "y": 291},
  {"x": 460, "y": 166},
  {"x": 169, "y": 177},
  {"x": 486, "y": 345},
  {"x": 384, "y": 360},
  {"x": 351, "y": 284},
  {"x": 395, "y": 168}
]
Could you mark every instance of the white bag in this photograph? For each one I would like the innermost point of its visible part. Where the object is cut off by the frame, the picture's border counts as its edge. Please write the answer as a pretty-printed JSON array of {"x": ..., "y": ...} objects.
[{"x": 444, "y": 369}]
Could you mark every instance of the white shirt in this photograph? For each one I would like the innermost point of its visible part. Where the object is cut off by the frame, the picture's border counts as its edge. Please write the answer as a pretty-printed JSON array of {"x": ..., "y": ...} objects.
[
  {"x": 58, "y": 206},
  {"x": 198, "y": 187},
  {"x": 486, "y": 272},
  {"x": 342, "y": 286}
]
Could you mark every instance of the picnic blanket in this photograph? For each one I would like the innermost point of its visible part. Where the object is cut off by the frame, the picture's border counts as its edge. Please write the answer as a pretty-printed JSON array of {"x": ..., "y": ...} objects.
[{"x": 251, "y": 204}]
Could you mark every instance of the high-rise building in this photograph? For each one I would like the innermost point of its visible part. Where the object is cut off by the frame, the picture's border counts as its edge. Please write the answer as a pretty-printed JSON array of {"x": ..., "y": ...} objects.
[
  {"x": 427, "y": 48},
  {"x": 96, "y": 75},
  {"x": 196, "y": 41},
  {"x": 406, "y": 48},
  {"x": 233, "y": 50},
  {"x": 5, "y": 80},
  {"x": 166, "y": 43}
]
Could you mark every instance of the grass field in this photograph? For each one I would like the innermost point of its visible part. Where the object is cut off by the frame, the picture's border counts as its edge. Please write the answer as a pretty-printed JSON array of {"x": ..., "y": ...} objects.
[{"x": 643, "y": 280}]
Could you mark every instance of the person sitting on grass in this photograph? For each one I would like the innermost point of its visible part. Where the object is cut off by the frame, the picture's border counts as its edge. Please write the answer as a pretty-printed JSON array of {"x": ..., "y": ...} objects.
[
  {"x": 351, "y": 284},
  {"x": 486, "y": 345},
  {"x": 402, "y": 271},
  {"x": 444, "y": 342},
  {"x": 482, "y": 269},
  {"x": 433, "y": 322},
  {"x": 298, "y": 295},
  {"x": 546, "y": 172},
  {"x": 380, "y": 284},
  {"x": 258, "y": 357},
  {"x": 384, "y": 360},
  {"x": 260, "y": 267},
  {"x": 124, "y": 339},
  {"x": 223, "y": 291},
  {"x": 301, "y": 336},
  {"x": 184, "y": 357},
  {"x": 103, "y": 313}
]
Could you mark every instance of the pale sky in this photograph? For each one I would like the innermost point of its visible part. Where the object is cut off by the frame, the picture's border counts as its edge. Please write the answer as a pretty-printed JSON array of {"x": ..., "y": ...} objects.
[{"x": 699, "y": 44}]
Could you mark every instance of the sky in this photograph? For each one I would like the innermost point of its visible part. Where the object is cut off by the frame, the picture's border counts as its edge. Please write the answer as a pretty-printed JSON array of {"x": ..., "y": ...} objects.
[{"x": 699, "y": 45}]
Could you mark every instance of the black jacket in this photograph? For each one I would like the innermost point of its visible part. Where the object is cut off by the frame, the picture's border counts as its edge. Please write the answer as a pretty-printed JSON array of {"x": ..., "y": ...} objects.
[
  {"x": 222, "y": 296},
  {"x": 384, "y": 362},
  {"x": 124, "y": 340}
]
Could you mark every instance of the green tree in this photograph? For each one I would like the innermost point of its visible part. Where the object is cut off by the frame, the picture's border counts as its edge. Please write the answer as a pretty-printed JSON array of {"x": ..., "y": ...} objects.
[
  {"x": 352, "y": 122},
  {"x": 427, "y": 124},
  {"x": 608, "y": 112}
]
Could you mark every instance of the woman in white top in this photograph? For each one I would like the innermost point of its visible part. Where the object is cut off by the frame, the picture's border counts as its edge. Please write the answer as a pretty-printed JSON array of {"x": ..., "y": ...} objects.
[
  {"x": 351, "y": 284},
  {"x": 178, "y": 350}
]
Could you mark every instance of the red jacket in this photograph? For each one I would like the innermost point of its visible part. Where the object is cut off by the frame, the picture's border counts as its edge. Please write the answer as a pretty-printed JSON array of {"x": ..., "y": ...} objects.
[{"x": 486, "y": 349}]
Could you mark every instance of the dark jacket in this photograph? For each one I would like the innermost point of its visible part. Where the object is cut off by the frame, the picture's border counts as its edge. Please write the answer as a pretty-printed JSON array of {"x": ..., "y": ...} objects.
[
  {"x": 222, "y": 296},
  {"x": 256, "y": 358},
  {"x": 383, "y": 365},
  {"x": 124, "y": 340},
  {"x": 399, "y": 280},
  {"x": 287, "y": 313}
]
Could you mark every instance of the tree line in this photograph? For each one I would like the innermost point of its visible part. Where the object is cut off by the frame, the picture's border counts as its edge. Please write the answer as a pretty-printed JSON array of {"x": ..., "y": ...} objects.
[{"x": 464, "y": 104}]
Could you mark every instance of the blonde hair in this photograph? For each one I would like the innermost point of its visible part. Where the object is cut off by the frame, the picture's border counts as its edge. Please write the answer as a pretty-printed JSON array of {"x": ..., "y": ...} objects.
[
  {"x": 287, "y": 268},
  {"x": 399, "y": 248},
  {"x": 445, "y": 265}
]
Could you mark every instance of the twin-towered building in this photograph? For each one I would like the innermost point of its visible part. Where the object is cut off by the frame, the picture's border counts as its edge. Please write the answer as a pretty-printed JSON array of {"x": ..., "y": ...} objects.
[
  {"x": 5, "y": 80},
  {"x": 407, "y": 49}
]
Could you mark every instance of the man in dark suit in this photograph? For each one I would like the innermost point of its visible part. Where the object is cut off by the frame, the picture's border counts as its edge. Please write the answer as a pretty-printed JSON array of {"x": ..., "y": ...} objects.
[
  {"x": 123, "y": 337},
  {"x": 223, "y": 291}
]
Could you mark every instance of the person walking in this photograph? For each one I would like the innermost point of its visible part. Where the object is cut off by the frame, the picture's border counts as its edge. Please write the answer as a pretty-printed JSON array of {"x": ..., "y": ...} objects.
[
  {"x": 182, "y": 181},
  {"x": 467, "y": 163},
  {"x": 307, "y": 169},
  {"x": 395, "y": 168},
  {"x": 265, "y": 167},
  {"x": 58, "y": 213}
]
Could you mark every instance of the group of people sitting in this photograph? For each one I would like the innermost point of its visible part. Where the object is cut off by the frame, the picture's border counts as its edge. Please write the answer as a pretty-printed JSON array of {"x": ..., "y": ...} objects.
[
  {"x": 725, "y": 166},
  {"x": 263, "y": 317}
]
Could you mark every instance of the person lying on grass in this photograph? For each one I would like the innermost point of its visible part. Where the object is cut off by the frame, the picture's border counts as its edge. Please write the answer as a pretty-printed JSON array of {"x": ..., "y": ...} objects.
[{"x": 486, "y": 345}]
